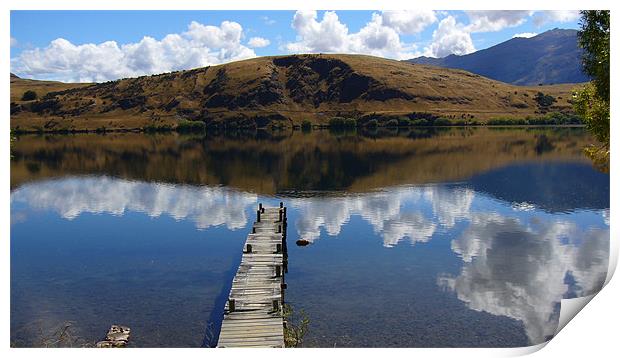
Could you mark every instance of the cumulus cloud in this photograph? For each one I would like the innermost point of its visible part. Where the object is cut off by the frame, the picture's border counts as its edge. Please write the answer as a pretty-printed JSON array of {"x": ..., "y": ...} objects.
[
  {"x": 543, "y": 17},
  {"x": 332, "y": 36},
  {"x": 257, "y": 42},
  {"x": 450, "y": 38},
  {"x": 495, "y": 20},
  {"x": 526, "y": 35},
  {"x": 408, "y": 21},
  {"x": 201, "y": 45}
]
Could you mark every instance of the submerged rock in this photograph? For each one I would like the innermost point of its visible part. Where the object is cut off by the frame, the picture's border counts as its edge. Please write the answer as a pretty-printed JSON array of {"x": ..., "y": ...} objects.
[
  {"x": 302, "y": 242},
  {"x": 117, "y": 337}
]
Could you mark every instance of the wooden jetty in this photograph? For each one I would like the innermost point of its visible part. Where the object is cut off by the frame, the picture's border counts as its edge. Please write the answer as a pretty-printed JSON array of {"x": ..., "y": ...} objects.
[{"x": 253, "y": 314}]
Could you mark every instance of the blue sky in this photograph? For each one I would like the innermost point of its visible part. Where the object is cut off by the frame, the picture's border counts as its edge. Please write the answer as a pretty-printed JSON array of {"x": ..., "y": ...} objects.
[{"x": 105, "y": 45}]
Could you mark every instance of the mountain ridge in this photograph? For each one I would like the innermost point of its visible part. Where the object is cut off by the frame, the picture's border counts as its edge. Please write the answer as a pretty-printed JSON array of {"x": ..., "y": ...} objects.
[{"x": 552, "y": 57}]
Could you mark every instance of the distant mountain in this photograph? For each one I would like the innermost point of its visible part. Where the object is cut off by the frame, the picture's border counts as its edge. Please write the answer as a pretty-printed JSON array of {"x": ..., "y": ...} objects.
[{"x": 548, "y": 58}]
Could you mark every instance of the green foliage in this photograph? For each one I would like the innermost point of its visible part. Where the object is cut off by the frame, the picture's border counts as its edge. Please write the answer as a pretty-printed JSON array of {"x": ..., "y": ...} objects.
[
  {"x": 595, "y": 113},
  {"x": 594, "y": 39},
  {"x": 442, "y": 122},
  {"x": 296, "y": 326},
  {"x": 592, "y": 101},
  {"x": 185, "y": 126},
  {"x": 306, "y": 125},
  {"x": 507, "y": 122},
  {"x": 544, "y": 100},
  {"x": 553, "y": 118},
  {"x": 340, "y": 122},
  {"x": 420, "y": 122},
  {"x": 29, "y": 96},
  {"x": 404, "y": 121}
]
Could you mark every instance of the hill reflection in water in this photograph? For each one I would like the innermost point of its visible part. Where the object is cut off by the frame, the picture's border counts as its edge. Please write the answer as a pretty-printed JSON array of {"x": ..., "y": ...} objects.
[{"x": 287, "y": 163}]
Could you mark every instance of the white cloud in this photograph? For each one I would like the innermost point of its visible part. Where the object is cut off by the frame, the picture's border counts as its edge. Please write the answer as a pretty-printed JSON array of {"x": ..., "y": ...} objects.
[
  {"x": 449, "y": 38},
  {"x": 201, "y": 45},
  {"x": 258, "y": 42},
  {"x": 495, "y": 20},
  {"x": 526, "y": 35},
  {"x": 332, "y": 36},
  {"x": 13, "y": 41},
  {"x": 543, "y": 17},
  {"x": 408, "y": 21},
  {"x": 328, "y": 35},
  {"x": 267, "y": 20}
]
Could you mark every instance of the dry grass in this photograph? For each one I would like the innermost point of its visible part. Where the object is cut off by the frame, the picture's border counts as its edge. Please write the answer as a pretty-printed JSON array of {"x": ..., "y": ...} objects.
[
  {"x": 20, "y": 85},
  {"x": 315, "y": 88}
]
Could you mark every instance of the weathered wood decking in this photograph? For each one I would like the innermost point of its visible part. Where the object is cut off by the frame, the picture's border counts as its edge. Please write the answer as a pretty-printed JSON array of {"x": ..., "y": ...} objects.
[{"x": 253, "y": 313}]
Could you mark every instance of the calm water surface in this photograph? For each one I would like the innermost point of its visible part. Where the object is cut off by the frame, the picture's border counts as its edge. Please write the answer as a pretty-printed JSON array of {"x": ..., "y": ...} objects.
[{"x": 458, "y": 238}]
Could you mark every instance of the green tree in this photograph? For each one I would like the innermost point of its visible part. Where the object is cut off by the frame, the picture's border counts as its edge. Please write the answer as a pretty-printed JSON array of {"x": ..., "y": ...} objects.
[{"x": 592, "y": 101}]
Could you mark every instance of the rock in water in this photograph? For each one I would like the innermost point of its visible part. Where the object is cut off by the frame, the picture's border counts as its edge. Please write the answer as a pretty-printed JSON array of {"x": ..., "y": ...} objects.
[{"x": 117, "y": 336}]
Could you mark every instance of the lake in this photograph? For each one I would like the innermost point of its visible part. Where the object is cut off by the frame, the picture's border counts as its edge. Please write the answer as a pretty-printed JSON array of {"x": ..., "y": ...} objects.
[{"x": 462, "y": 237}]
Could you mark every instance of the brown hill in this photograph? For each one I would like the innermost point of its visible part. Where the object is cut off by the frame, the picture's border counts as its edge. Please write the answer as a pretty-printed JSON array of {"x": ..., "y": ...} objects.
[{"x": 283, "y": 90}]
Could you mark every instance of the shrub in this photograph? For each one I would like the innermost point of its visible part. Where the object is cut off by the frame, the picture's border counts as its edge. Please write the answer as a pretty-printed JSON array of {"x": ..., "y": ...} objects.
[
  {"x": 442, "y": 122},
  {"x": 419, "y": 122},
  {"x": 340, "y": 122},
  {"x": 191, "y": 126},
  {"x": 306, "y": 125},
  {"x": 404, "y": 121},
  {"x": 544, "y": 100},
  {"x": 29, "y": 96},
  {"x": 296, "y": 326}
]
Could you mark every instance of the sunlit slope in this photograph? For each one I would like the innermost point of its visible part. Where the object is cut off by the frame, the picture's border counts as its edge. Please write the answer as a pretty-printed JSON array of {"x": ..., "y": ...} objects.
[{"x": 281, "y": 90}]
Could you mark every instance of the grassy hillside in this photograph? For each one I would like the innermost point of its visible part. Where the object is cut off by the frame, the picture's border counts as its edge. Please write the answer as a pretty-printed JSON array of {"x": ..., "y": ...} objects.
[
  {"x": 20, "y": 85},
  {"x": 281, "y": 91}
]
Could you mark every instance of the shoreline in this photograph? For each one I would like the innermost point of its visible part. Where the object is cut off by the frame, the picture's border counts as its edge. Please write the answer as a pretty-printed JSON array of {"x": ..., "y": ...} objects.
[{"x": 316, "y": 127}]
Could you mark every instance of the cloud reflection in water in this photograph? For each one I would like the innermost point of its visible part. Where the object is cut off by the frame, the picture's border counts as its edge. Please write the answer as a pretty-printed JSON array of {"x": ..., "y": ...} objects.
[
  {"x": 205, "y": 206},
  {"x": 523, "y": 269},
  {"x": 517, "y": 261}
]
